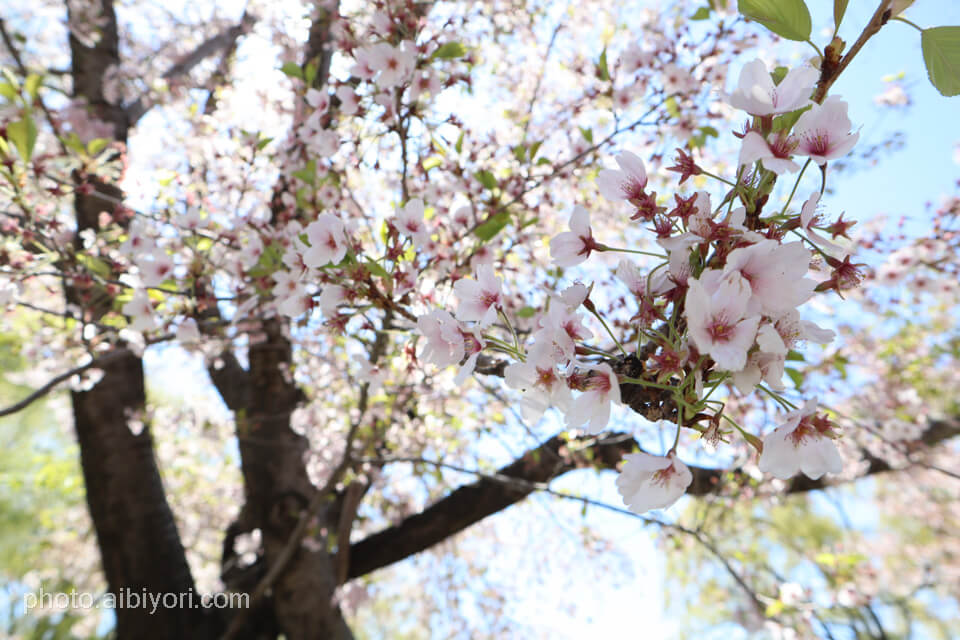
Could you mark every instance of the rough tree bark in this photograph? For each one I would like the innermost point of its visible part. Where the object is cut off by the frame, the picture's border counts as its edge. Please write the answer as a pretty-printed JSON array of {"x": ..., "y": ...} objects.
[
  {"x": 273, "y": 458},
  {"x": 138, "y": 539}
]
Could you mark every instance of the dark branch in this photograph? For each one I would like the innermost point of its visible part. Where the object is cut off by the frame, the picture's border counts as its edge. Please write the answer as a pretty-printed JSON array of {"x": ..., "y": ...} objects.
[
  {"x": 53, "y": 382},
  {"x": 489, "y": 495},
  {"x": 220, "y": 42}
]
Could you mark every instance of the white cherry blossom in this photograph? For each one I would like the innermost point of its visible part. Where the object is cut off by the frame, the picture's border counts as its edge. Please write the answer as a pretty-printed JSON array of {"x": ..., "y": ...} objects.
[
  {"x": 802, "y": 443},
  {"x": 775, "y": 273},
  {"x": 480, "y": 298},
  {"x": 572, "y": 247},
  {"x": 824, "y": 131},
  {"x": 759, "y": 96},
  {"x": 328, "y": 241},
  {"x": 627, "y": 183},
  {"x": 649, "y": 482},
  {"x": 410, "y": 222},
  {"x": 601, "y": 389},
  {"x": 717, "y": 318},
  {"x": 140, "y": 311}
]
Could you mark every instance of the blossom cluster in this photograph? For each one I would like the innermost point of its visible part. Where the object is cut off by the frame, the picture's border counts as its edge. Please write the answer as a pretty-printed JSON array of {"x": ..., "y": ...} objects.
[{"x": 720, "y": 308}]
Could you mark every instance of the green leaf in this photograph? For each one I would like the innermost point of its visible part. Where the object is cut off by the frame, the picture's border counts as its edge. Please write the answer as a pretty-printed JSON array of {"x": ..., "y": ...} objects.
[
  {"x": 587, "y": 134},
  {"x": 839, "y": 9},
  {"x": 603, "y": 71},
  {"x": 374, "y": 268},
  {"x": 795, "y": 376},
  {"x": 519, "y": 152},
  {"x": 308, "y": 174},
  {"x": 97, "y": 145},
  {"x": 526, "y": 312},
  {"x": 941, "y": 54},
  {"x": 32, "y": 85},
  {"x": 786, "y": 121},
  {"x": 292, "y": 69},
  {"x": 311, "y": 73},
  {"x": 8, "y": 91},
  {"x": 702, "y": 14},
  {"x": 450, "y": 50},
  {"x": 263, "y": 143},
  {"x": 486, "y": 179},
  {"x": 492, "y": 226},
  {"x": 534, "y": 148},
  {"x": 787, "y": 18},
  {"x": 459, "y": 145},
  {"x": 94, "y": 265},
  {"x": 432, "y": 162},
  {"x": 23, "y": 135},
  {"x": 778, "y": 74}
]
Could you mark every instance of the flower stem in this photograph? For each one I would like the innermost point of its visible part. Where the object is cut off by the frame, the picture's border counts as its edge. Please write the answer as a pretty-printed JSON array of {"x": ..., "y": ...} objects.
[
  {"x": 904, "y": 20},
  {"x": 596, "y": 313},
  {"x": 643, "y": 253},
  {"x": 795, "y": 185},
  {"x": 783, "y": 402}
]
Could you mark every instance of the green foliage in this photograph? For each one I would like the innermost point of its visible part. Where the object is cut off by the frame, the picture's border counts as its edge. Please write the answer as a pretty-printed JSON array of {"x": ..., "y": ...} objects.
[
  {"x": 23, "y": 134},
  {"x": 701, "y": 14},
  {"x": 603, "y": 70},
  {"x": 492, "y": 226},
  {"x": 839, "y": 10},
  {"x": 292, "y": 70},
  {"x": 786, "y": 18},
  {"x": 450, "y": 50},
  {"x": 941, "y": 55}
]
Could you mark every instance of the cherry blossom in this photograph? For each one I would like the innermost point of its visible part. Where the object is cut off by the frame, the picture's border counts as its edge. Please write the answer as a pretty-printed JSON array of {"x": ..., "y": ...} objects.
[
  {"x": 649, "y": 482},
  {"x": 540, "y": 382},
  {"x": 370, "y": 374},
  {"x": 155, "y": 267},
  {"x": 824, "y": 131},
  {"x": 804, "y": 442},
  {"x": 601, "y": 389},
  {"x": 140, "y": 311},
  {"x": 410, "y": 222},
  {"x": 330, "y": 298},
  {"x": 395, "y": 64},
  {"x": 775, "y": 273},
  {"x": 759, "y": 96},
  {"x": 627, "y": 183},
  {"x": 188, "y": 334},
  {"x": 444, "y": 345},
  {"x": 774, "y": 152},
  {"x": 479, "y": 299},
  {"x": 570, "y": 248},
  {"x": 328, "y": 241},
  {"x": 808, "y": 219},
  {"x": 716, "y": 312}
]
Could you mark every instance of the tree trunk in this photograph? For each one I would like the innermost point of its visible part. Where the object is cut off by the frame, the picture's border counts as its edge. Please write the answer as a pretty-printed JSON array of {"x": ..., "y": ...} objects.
[{"x": 139, "y": 544}]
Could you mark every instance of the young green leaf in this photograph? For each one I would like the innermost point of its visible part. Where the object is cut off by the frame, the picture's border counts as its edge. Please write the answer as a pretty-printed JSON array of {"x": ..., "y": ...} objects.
[
  {"x": 375, "y": 269},
  {"x": 450, "y": 50},
  {"x": 839, "y": 9},
  {"x": 492, "y": 226},
  {"x": 23, "y": 135},
  {"x": 941, "y": 54},
  {"x": 486, "y": 178},
  {"x": 702, "y": 14},
  {"x": 603, "y": 71},
  {"x": 787, "y": 18},
  {"x": 292, "y": 69}
]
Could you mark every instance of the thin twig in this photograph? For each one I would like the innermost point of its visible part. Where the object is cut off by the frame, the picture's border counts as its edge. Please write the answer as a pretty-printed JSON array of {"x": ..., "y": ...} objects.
[{"x": 52, "y": 384}]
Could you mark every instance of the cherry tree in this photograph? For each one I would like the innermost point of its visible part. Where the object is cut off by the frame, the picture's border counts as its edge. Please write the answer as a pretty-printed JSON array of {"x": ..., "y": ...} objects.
[{"x": 396, "y": 232}]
